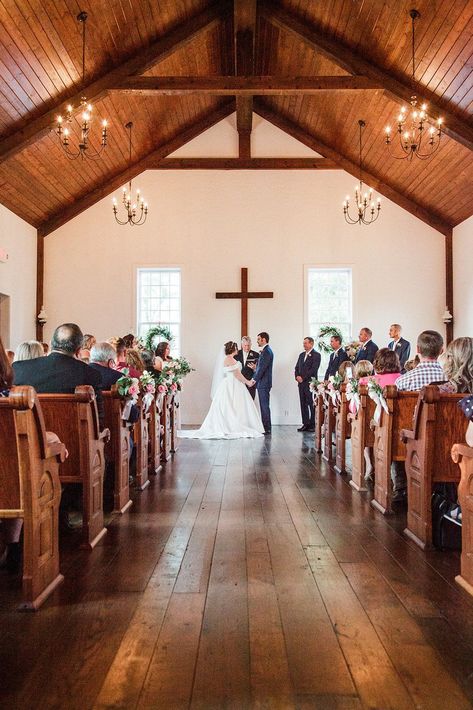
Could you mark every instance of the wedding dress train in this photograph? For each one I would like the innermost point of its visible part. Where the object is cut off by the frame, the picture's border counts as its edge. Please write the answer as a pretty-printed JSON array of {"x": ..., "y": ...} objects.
[{"x": 232, "y": 414}]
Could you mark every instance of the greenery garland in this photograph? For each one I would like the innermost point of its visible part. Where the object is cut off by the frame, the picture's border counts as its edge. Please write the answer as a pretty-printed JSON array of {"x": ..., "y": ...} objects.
[
  {"x": 158, "y": 331},
  {"x": 323, "y": 339}
]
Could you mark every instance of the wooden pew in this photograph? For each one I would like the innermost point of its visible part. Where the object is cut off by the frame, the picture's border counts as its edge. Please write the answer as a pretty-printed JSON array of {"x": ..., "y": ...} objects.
[
  {"x": 175, "y": 421},
  {"x": 74, "y": 418},
  {"x": 329, "y": 430},
  {"x": 438, "y": 424},
  {"x": 165, "y": 405},
  {"x": 30, "y": 489},
  {"x": 319, "y": 420},
  {"x": 388, "y": 446},
  {"x": 118, "y": 449},
  {"x": 463, "y": 455},
  {"x": 141, "y": 438},
  {"x": 342, "y": 429},
  {"x": 361, "y": 436},
  {"x": 154, "y": 449}
]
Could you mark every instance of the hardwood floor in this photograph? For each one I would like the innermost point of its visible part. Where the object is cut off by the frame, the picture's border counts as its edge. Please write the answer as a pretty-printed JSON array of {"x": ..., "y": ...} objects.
[{"x": 248, "y": 575}]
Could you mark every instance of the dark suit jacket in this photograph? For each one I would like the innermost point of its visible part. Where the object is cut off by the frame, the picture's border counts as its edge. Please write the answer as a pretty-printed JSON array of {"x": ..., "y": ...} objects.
[
  {"x": 263, "y": 375},
  {"x": 108, "y": 376},
  {"x": 309, "y": 368},
  {"x": 58, "y": 374},
  {"x": 403, "y": 350},
  {"x": 335, "y": 361},
  {"x": 367, "y": 351},
  {"x": 245, "y": 370}
]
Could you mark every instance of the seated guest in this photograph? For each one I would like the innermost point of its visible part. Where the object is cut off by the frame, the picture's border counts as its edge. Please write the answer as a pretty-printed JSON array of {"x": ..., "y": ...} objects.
[
  {"x": 130, "y": 341},
  {"x": 346, "y": 369},
  {"x": 102, "y": 360},
  {"x": 466, "y": 405},
  {"x": 401, "y": 347},
  {"x": 386, "y": 366},
  {"x": 458, "y": 366},
  {"x": 368, "y": 349},
  {"x": 87, "y": 342},
  {"x": 29, "y": 350},
  {"x": 162, "y": 355},
  {"x": 363, "y": 369},
  {"x": 121, "y": 362},
  {"x": 134, "y": 360},
  {"x": 148, "y": 361},
  {"x": 429, "y": 347},
  {"x": 45, "y": 348},
  {"x": 61, "y": 371},
  {"x": 336, "y": 358},
  {"x": 411, "y": 364}
]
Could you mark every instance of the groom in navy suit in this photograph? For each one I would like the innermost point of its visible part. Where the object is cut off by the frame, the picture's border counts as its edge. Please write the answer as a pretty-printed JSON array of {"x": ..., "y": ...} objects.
[{"x": 263, "y": 378}]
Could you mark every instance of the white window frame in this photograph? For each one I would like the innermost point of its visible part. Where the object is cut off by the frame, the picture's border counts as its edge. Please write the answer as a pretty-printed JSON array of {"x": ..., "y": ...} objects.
[
  {"x": 153, "y": 268},
  {"x": 326, "y": 267}
]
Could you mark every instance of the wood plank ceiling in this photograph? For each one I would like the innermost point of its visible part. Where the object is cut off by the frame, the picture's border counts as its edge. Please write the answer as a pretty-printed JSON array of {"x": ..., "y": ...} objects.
[{"x": 40, "y": 68}]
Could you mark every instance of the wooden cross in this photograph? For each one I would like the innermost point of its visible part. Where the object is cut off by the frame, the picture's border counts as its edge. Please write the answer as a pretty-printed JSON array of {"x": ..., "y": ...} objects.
[{"x": 244, "y": 294}]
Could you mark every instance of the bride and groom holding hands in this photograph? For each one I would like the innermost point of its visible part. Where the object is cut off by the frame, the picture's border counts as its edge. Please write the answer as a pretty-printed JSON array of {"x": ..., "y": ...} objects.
[{"x": 239, "y": 375}]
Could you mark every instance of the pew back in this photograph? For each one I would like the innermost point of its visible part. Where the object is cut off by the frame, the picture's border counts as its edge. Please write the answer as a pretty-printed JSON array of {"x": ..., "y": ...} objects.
[
  {"x": 117, "y": 449},
  {"x": 463, "y": 455},
  {"x": 361, "y": 436}
]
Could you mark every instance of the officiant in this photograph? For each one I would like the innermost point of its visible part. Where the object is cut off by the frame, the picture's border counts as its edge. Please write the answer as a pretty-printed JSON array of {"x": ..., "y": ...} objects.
[{"x": 247, "y": 356}]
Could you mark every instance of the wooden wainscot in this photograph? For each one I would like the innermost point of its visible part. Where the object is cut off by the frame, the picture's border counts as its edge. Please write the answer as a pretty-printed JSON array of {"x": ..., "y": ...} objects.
[
  {"x": 388, "y": 446},
  {"x": 166, "y": 426},
  {"x": 74, "y": 418},
  {"x": 118, "y": 448},
  {"x": 329, "y": 430},
  {"x": 319, "y": 420},
  {"x": 361, "y": 436},
  {"x": 463, "y": 455},
  {"x": 30, "y": 489},
  {"x": 438, "y": 424},
  {"x": 141, "y": 438},
  {"x": 175, "y": 421},
  {"x": 154, "y": 445},
  {"x": 342, "y": 429}
]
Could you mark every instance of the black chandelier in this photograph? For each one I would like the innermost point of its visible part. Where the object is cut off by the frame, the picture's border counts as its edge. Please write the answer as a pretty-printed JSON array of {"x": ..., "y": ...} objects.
[
  {"x": 81, "y": 147},
  {"x": 415, "y": 138},
  {"x": 136, "y": 210},
  {"x": 365, "y": 211}
]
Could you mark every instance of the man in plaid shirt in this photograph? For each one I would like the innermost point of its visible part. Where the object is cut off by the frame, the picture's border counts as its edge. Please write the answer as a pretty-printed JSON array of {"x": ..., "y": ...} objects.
[{"x": 429, "y": 347}]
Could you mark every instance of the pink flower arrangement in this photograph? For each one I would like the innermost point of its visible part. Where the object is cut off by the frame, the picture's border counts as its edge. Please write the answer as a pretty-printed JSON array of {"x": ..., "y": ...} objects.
[
  {"x": 173, "y": 387},
  {"x": 162, "y": 389},
  {"x": 133, "y": 390}
]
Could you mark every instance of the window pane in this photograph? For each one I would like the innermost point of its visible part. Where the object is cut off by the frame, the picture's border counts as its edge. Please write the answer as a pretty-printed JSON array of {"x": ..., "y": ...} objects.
[{"x": 159, "y": 302}]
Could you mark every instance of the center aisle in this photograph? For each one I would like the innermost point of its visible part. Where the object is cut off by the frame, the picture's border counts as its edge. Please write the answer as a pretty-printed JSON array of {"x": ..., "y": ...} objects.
[{"x": 250, "y": 575}]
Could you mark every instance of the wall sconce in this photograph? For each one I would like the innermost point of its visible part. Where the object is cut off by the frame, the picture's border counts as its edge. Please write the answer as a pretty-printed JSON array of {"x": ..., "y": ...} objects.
[
  {"x": 42, "y": 317},
  {"x": 447, "y": 316}
]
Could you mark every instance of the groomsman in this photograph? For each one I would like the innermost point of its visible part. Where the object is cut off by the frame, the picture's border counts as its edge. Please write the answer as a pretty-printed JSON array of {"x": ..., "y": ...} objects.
[
  {"x": 307, "y": 366},
  {"x": 247, "y": 356},
  {"x": 368, "y": 349},
  {"x": 336, "y": 358},
  {"x": 400, "y": 346}
]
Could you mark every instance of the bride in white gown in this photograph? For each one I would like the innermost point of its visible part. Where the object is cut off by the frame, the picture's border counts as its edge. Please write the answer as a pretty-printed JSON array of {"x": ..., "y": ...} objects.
[{"x": 233, "y": 413}]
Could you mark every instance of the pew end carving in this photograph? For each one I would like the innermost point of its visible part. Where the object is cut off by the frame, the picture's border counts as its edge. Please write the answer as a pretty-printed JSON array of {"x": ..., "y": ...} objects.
[
  {"x": 463, "y": 456},
  {"x": 118, "y": 449},
  {"x": 166, "y": 425},
  {"x": 30, "y": 489},
  {"x": 361, "y": 437},
  {"x": 341, "y": 430},
  {"x": 319, "y": 420},
  {"x": 329, "y": 431},
  {"x": 154, "y": 444}
]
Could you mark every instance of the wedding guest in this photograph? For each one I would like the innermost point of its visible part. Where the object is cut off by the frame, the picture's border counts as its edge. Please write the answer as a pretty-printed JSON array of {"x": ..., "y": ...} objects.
[
  {"x": 411, "y": 364},
  {"x": 87, "y": 342},
  {"x": 466, "y": 405},
  {"x": 336, "y": 358},
  {"x": 363, "y": 368},
  {"x": 346, "y": 369},
  {"x": 368, "y": 349},
  {"x": 458, "y": 366},
  {"x": 130, "y": 340},
  {"x": 247, "y": 355},
  {"x": 386, "y": 366},
  {"x": 148, "y": 361},
  {"x": 45, "y": 348},
  {"x": 401, "y": 347},
  {"x": 10, "y": 355},
  {"x": 162, "y": 355},
  {"x": 134, "y": 361},
  {"x": 429, "y": 347},
  {"x": 121, "y": 361},
  {"x": 102, "y": 360},
  {"x": 29, "y": 350},
  {"x": 307, "y": 367},
  {"x": 6, "y": 372}
]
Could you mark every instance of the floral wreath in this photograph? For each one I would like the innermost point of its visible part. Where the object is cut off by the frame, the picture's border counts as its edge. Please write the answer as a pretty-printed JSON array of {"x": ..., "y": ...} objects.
[
  {"x": 325, "y": 333},
  {"x": 158, "y": 331}
]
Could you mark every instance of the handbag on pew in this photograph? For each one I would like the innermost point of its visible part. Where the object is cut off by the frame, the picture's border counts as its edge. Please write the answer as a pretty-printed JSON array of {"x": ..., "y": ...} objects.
[{"x": 446, "y": 521}]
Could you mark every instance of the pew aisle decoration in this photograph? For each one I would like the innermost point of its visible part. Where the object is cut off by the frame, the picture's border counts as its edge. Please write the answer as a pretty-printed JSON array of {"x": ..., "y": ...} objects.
[
  {"x": 333, "y": 388},
  {"x": 323, "y": 339},
  {"x": 157, "y": 334},
  {"x": 352, "y": 349},
  {"x": 315, "y": 386},
  {"x": 148, "y": 389},
  {"x": 128, "y": 388},
  {"x": 376, "y": 393},
  {"x": 353, "y": 395}
]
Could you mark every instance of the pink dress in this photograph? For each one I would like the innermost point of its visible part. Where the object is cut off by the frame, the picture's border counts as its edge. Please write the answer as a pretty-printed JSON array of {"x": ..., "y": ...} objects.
[{"x": 388, "y": 378}]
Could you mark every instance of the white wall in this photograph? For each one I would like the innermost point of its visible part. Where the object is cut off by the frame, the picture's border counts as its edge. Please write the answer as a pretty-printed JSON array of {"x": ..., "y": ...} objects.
[
  {"x": 18, "y": 275},
  {"x": 462, "y": 272},
  {"x": 275, "y": 223}
]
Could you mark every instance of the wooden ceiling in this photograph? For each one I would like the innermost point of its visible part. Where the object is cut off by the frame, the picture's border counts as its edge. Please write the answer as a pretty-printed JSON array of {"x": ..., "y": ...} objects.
[{"x": 175, "y": 68}]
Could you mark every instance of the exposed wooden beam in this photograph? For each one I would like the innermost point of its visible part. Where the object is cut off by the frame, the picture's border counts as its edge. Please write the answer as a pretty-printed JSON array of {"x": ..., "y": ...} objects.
[
  {"x": 427, "y": 216},
  {"x": 355, "y": 63},
  {"x": 245, "y": 164},
  {"x": 449, "y": 281},
  {"x": 241, "y": 85},
  {"x": 39, "y": 282},
  {"x": 156, "y": 52},
  {"x": 244, "y": 22},
  {"x": 90, "y": 198}
]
